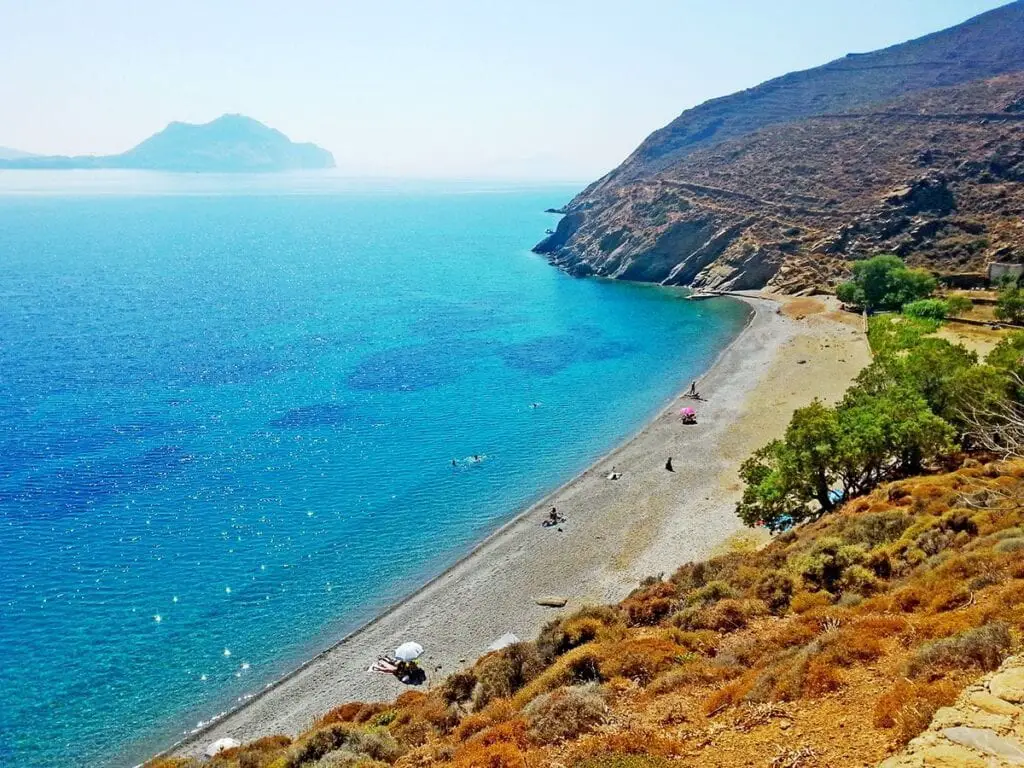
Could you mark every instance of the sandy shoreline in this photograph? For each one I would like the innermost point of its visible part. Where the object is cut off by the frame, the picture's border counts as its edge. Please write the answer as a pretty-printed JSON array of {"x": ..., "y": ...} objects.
[{"x": 649, "y": 521}]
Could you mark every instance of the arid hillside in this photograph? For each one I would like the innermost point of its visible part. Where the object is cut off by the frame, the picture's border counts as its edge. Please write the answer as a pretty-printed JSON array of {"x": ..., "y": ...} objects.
[
  {"x": 982, "y": 47},
  {"x": 916, "y": 147},
  {"x": 936, "y": 177},
  {"x": 834, "y": 645}
]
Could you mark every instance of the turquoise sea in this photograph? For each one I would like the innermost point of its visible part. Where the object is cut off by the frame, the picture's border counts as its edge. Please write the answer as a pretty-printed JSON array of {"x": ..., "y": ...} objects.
[{"x": 228, "y": 412}]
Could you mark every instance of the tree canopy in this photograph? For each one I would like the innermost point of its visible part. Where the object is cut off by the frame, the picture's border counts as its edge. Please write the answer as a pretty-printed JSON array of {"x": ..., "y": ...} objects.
[
  {"x": 885, "y": 282},
  {"x": 919, "y": 399}
]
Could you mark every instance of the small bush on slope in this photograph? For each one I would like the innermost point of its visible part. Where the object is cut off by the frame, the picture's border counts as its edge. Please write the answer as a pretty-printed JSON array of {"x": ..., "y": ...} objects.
[{"x": 565, "y": 713}]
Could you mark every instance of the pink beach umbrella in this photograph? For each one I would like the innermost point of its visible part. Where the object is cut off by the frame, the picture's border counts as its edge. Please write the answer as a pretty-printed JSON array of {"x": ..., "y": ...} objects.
[{"x": 687, "y": 412}]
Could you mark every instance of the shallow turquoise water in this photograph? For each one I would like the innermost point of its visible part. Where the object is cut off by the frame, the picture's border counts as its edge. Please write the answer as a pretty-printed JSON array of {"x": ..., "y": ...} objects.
[{"x": 228, "y": 410}]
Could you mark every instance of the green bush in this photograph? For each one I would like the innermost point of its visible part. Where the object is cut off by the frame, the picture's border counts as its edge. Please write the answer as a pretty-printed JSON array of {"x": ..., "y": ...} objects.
[
  {"x": 932, "y": 309},
  {"x": 958, "y": 305},
  {"x": 1010, "y": 305},
  {"x": 892, "y": 333}
]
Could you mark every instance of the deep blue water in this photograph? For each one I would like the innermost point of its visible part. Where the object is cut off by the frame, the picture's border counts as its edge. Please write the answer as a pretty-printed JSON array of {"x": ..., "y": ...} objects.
[{"x": 215, "y": 394}]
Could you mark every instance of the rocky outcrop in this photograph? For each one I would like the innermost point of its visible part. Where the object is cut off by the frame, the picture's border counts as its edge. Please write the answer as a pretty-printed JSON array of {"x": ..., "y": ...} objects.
[
  {"x": 914, "y": 148},
  {"x": 984, "y": 728}
]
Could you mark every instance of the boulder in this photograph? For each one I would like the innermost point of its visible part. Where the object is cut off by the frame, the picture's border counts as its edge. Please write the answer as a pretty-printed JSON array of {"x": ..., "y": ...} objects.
[{"x": 1009, "y": 685}]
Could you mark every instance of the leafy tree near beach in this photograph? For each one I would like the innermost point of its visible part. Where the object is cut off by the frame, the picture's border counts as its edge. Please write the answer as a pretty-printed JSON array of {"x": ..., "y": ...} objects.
[
  {"x": 932, "y": 368},
  {"x": 830, "y": 454},
  {"x": 919, "y": 398},
  {"x": 885, "y": 282}
]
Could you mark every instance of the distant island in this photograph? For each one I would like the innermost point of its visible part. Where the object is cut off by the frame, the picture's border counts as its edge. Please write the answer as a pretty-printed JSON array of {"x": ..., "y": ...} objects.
[
  {"x": 6, "y": 153},
  {"x": 229, "y": 144}
]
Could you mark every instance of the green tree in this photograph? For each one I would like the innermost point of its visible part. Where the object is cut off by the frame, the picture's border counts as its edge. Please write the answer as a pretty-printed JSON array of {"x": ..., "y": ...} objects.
[
  {"x": 885, "y": 282},
  {"x": 1010, "y": 305},
  {"x": 1008, "y": 354},
  {"x": 958, "y": 305},
  {"x": 785, "y": 475},
  {"x": 830, "y": 454}
]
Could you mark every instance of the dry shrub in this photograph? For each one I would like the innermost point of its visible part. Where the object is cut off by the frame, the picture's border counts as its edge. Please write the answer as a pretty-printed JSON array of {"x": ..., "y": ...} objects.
[
  {"x": 710, "y": 593},
  {"x": 504, "y": 672},
  {"x": 776, "y": 589},
  {"x": 458, "y": 687},
  {"x": 512, "y": 731},
  {"x": 262, "y": 752},
  {"x": 909, "y": 599},
  {"x": 821, "y": 676},
  {"x": 1013, "y": 594},
  {"x": 860, "y": 580},
  {"x": 703, "y": 641},
  {"x": 1010, "y": 545},
  {"x": 878, "y": 528},
  {"x": 565, "y": 714},
  {"x": 724, "y": 616},
  {"x": 751, "y": 649},
  {"x": 419, "y": 715},
  {"x": 352, "y": 712},
  {"x": 698, "y": 672},
  {"x": 783, "y": 679},
  {"x": 623, "y": 761},
  {"x": 803, "y": 602},
  {"x": 344, "y": 758},
  {"x": 498, "y": 755},
  {"x": 909, "y": 707},
  {"x": 636, "y": 741},
  {"x": 852, "y": 645},
  {"x": 883, "y": 626},
  {"x": 728, "y": 695},
  {"x": 641, "y": 659},
  {"x": 1017, "y": 568},
  {"x": 585, "y": 625},
  {"x": 497, "y": 712},
  {"x": 981, "y": 648},
  {"x": 375, "y": 744},
  {"x": 951, "y": 598},
  {"x": 646, "y": 607}
]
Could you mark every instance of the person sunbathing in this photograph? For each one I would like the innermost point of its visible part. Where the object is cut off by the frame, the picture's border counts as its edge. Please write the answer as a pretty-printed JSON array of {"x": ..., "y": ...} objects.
[{"x": 553, "y": 518}]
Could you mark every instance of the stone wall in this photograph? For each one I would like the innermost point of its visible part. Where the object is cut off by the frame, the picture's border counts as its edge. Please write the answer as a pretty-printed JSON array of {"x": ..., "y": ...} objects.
[{"x": 983, "y": 729}]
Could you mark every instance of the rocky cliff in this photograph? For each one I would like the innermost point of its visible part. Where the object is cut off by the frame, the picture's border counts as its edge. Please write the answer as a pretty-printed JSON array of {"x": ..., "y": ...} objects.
[{"x": 916, "y": 148}]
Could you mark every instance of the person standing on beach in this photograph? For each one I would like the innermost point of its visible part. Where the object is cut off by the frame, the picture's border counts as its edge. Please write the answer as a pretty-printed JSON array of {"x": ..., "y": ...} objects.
[
  {"x": 668, "y": 464},
  {"x": 693, "y": 388}
]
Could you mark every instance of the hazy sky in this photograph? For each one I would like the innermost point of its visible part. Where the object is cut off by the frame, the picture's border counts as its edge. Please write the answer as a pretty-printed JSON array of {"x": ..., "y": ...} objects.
[{"x": 472, "y": 88}]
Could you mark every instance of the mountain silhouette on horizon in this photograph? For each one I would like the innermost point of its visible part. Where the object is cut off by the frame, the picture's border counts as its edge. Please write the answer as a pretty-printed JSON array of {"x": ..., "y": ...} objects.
[{"x": 229, "y": 144}]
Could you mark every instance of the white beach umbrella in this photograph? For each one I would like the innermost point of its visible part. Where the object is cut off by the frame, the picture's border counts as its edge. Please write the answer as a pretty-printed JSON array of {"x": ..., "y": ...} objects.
[
  {"x": 409, "y": 651},
  {"x": 220, "y": 745}
]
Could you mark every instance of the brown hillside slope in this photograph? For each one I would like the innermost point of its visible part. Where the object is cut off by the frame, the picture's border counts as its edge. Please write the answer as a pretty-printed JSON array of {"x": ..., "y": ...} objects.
[
  {"x": 834, "y": 645},
  {"x": 936, "y": 176},
  {"x": 982, "y": 47}
]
